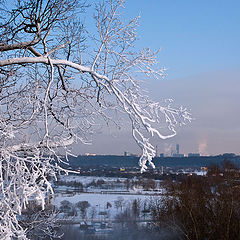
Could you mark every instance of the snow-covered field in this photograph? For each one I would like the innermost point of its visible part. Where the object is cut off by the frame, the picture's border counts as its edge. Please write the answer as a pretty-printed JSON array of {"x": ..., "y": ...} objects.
[
  {"x": 100, "y": 197},
  {"x": 106, "y": 184},
  {"x": 99, "y": 201},
  {"x": 88, "y": 179}
]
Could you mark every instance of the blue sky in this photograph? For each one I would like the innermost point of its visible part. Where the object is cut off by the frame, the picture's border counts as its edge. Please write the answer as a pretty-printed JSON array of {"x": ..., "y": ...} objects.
[
  {"x": 195, "y": 36},
  {"x": 200, "y": 47}
]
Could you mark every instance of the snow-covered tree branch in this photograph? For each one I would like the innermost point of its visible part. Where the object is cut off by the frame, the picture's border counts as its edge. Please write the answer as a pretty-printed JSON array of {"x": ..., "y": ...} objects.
[{"x": 58, "y": 76}]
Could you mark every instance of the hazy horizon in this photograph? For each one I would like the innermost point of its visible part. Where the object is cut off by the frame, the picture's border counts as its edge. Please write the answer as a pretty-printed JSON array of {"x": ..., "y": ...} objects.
[{"x": 199, "y": 44}]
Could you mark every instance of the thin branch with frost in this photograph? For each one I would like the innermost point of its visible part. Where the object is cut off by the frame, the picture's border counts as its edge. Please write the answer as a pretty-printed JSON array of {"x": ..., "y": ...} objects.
[{"x": 57, "y": 79}]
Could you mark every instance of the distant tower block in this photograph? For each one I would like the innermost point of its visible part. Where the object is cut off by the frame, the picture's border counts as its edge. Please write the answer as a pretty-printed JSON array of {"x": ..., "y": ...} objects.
[{"x": 177, "y": 148}]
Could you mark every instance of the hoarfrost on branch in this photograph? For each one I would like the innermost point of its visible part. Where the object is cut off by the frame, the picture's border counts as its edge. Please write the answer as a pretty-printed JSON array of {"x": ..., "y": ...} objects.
[{"x": 58, "y": 76}]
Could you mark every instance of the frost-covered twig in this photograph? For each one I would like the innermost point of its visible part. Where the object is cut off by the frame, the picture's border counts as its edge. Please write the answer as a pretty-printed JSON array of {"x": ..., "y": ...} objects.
[{"x": 57, "y": 80}]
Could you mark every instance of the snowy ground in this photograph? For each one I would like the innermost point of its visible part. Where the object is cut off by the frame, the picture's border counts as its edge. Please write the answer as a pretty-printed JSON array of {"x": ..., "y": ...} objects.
[
  {"x": 110, "y": 184},
  {"x": 99, "y": 197},
  {"x": 88, "y": 179},
  {"x": 99, "y": 201}
]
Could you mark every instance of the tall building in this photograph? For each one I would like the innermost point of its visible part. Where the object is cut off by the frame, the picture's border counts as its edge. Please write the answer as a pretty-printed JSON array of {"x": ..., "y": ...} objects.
[
  {"x": 177, "y": 153},
  {"x": 177, "y": 148}
]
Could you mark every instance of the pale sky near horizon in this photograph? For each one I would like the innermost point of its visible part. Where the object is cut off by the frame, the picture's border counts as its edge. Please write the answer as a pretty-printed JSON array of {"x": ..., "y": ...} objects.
[{"x": 200, "y": 42}]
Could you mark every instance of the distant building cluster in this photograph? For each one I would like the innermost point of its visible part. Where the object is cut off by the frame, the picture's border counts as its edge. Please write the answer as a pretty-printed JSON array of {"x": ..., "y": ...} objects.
[{"x": 176, "y": 153}]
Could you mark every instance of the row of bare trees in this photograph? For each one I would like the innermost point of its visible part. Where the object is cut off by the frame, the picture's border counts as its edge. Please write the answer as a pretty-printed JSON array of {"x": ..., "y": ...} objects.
[
  {"x": 146, "y": 184},
  {"x": 70, "y": 209},
  {"x": 199, "y": 208}
]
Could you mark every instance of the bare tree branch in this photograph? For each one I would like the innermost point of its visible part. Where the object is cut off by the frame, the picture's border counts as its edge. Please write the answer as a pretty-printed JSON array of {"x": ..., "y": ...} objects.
[{"x": 57, "y": 80}]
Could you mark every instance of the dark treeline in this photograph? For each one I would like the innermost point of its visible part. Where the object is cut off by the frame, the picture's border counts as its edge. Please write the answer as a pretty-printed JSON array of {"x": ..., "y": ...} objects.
[
  {"x": 132, "y": 161},
  {"x": 199, "y": 208}
]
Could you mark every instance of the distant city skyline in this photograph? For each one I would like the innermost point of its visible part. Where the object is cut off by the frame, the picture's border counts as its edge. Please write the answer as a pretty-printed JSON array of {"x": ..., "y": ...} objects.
[{"x": 200, "y": 49}]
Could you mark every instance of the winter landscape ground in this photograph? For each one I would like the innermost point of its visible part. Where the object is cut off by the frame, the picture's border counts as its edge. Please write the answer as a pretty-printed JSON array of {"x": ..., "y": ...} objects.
[
  {"x": 109, "y": 202},
  {"x": 95, "y": 207},
  {"x": 86, "y": 78}
]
